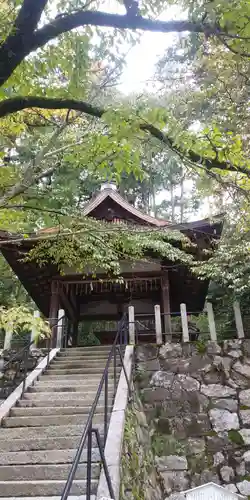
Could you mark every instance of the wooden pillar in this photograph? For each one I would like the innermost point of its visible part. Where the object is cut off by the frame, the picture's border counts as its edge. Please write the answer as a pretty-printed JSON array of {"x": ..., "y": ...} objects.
[
  {"x": 166, "y": 303},
  {"x": 53, "y": 312}
]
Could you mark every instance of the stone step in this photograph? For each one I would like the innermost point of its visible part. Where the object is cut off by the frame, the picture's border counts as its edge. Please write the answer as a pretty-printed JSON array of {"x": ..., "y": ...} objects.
[
  {"x": 66, "y": 382},
  {"x": 46, "y": 421},
  {"x": 79, "y": 376},
  {"x": 43, "y": 443},
  {"x": 70, "y": 497},
  {"x": 71, "y": 371},
  {"x": 51, "y": 410},
  {"x": 85, "y": 356},
  {"x": 63, "y": 388},
  {"x": 45, "y": 457},
  {"x": 62, "y": 403},
  {"x": 43, "y": 432},
  {"x": 43, "y": 488},
  {"x": 90, "y": 349},
  {"x": 65, "y": 365},
  {"x": 50, "y": 472},
  {"x": 57, "y": 394}
]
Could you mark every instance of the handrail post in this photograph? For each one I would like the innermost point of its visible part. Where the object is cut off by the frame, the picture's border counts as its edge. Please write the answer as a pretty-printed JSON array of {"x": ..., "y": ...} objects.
[
  {"x": 89, "y": 463},
  {"x": 25, "y": 360},
  {"x": 106, "y": 406},
  {"x": 115, "y": 374}
]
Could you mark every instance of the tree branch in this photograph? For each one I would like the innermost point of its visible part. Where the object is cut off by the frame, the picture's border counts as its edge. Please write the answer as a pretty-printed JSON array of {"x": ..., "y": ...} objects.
[
  {"x": 19, "y": 103},
  {"x": 68, "y": 22},
  {"x": 17, "y": 44}
]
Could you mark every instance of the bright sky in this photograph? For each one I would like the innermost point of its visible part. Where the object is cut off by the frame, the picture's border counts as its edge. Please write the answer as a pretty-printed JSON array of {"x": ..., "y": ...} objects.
[{"x": 142, "y": 58}]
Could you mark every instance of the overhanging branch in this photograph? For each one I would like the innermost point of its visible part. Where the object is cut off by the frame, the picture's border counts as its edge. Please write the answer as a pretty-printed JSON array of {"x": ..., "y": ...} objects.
[
  {"x": 67, "y": 22},
  {"x": 19, "y": 103}
]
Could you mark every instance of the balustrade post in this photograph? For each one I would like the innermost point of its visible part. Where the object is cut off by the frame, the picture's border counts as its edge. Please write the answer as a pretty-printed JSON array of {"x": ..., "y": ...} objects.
[
  {"x": 211, "y": 322},
  {"x": 131, "y": 328},
  {"x": 184, "y": 323},
  {"x": 59, "y": 335},
  {"x": 8, "y": 337},
  {"x": 36, "y": 315},
  {"x": 158, "y": 329},
  {"x": 238, "y": 320}
]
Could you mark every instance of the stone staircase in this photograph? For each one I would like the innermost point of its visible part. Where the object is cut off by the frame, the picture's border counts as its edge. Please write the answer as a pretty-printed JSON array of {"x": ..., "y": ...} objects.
[{"x": 38, "y": 440}]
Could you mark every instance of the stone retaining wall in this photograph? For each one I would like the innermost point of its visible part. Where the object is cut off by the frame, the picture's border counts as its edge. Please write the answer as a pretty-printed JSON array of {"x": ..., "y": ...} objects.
[
  {"x": 12, "y": 375},
  {"x": 196, "y": 399},
  {"x": 140, "y": 479}
]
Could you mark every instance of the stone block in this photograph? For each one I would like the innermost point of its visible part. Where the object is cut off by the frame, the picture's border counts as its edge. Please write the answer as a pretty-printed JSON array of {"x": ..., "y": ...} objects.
[
  {"x": 213, "y": 348},
  {"x": 151, "y": 365},
  {"x": 234, "y": 354},
  {"x": 230, "y": 487},
  {"x": 226, "y": 404},
  {"x": 155, "y": 395},
  {"x": 245, "y": 397},
  {"x": 217, "y": 443},
  {"x": 218, "y": 458},
  {"x": 145, "y": 352},
  {"x": 213, "y": 377},
  {"x": 175, "y": 481},
  {"x": 162, "y": 379},
  {"x": 171, "y": 462},
  {"x": 206, "y": 476},
  {"x": 196, "y": 446},
  {"x": 245, "y": 434},
  {"x": 227, "y": 474},
  {"x": 245, "y": 417},
  {"x": 223, "y": 420},
  {"x": 232, "y": 344},
  {"x": 244, "y": 487},
  {"x": 196, "y": 425},
  {"x": 246, "y": 347},
  {"x": 238, "y": 379},
  {"x": 217, "y": 391},
  {"x": 242, "y": 368},
  {"x": 241, "y": 469},
  {"x": 170, "y": 350}
]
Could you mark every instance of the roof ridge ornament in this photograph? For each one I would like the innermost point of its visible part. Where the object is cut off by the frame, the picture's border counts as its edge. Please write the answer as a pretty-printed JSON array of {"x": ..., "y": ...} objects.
[{"x": 108, "y": 185}]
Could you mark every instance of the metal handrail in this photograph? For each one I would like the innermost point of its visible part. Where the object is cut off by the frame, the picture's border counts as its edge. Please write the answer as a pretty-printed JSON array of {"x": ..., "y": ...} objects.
[{"x": 89, "y": 429}]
